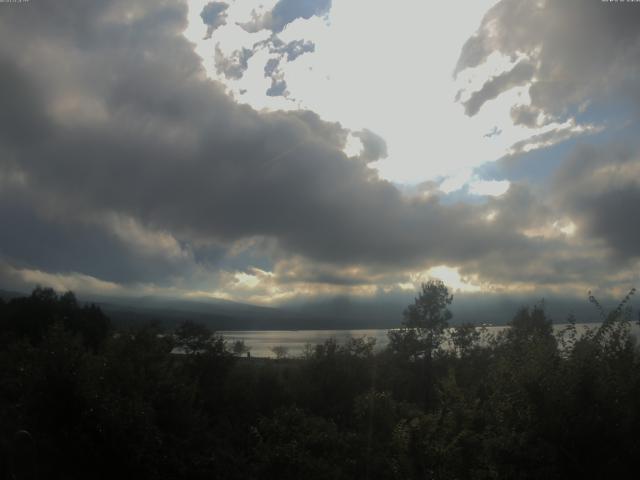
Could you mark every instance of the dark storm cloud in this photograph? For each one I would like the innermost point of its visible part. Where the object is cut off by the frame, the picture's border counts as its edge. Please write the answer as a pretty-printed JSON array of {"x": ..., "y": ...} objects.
[
  {"x": 581, "y": 49},
  {"x": 34, "y": 241},
  {"x": 22, "y": 118},
  {"x": 594, "y": 188},
  {"x": 214, "y": 16},
  {"x": 285, "y": 12},
  {"x": 131, "y": 127},
  {"x": 601, "y": 188},
  {"x": 584, "y": 53},
  {"x": 519, "y": 208}
]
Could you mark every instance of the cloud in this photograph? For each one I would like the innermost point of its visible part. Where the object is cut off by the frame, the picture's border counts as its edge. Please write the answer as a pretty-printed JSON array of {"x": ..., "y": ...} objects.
[
  {"x": 293, "y": 49},
  {"x": 278, "y": 87},
  {"x": 519, "y": 209},
  {"x": 552, "y": 136},
  {"x": 520, "y": 74},
  {"x": 235, "y": 65},
  {"x": 285, "y": 12},
  {"x": 572, "y": 52},
  {"x": 283, "y": 52},
  {"x": 526, "y": 115},
  {"x": 24, "y": 280},
  {"x": 110, "y": 247},
  {"x": 600, "y": 187},
  {"x": 22, "y": 117},
  {"x": 271, "y": 67},
  {"x": 127, "y": 164},
  {"x": 373, "y": 146},
  {"x": 582, "y": 225},
  {"x": 171, "y": 153},
  {"x": 214, "y": 16}
]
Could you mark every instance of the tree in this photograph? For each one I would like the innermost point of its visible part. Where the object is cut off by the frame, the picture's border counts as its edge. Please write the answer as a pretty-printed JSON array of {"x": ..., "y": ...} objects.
[
  {"x": 424, "y": 321},
  {"x": 280, "y": 352},
  {"x": 464, "y": 338},
  {"x": 193, "y": 337},
  {"x": 239, "y": 348},
  {"x": 422, "y": 333},
  {"x": 530, "y": 326}
]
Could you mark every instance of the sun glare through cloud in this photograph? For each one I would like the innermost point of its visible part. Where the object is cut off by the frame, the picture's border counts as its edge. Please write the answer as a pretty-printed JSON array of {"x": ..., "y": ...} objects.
[{"x": 393, "y": 75}]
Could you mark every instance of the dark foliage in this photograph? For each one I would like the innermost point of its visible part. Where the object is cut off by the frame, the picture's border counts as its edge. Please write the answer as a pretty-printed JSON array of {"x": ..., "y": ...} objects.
[
  {"x": 81, "y": 400},
  {"x": 31, "y": 318}
]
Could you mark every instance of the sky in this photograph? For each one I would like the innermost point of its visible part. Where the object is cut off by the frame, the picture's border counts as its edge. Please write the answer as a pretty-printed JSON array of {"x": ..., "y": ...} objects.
[{"x": 278, "y": 152}]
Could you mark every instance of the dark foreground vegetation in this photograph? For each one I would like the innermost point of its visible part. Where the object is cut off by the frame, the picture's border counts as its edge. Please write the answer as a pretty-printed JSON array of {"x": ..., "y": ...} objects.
[{"x": 81, "y": 400}]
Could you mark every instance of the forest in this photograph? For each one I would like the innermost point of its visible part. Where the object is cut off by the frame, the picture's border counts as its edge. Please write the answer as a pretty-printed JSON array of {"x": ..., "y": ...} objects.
[{"x": 80, "y": 398}]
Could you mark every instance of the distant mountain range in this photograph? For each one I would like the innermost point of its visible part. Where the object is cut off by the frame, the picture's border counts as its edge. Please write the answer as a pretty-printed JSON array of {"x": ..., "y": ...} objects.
[
  {"x": 8, "y": 294},
  {"x": 327, "y": 314},
  {"x": 221, "y": 314}
]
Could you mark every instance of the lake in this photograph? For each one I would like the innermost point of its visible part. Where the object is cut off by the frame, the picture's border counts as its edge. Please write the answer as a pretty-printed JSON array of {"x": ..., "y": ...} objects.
[{"x": 261, "y": 342}]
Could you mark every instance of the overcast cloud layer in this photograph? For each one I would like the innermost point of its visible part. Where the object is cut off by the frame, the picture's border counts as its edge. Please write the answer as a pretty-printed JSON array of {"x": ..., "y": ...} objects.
[{"x": 122, "y": 165}]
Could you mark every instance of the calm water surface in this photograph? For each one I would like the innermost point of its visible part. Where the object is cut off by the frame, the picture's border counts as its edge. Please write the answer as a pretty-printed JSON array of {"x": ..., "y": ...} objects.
[{"x": 262, "y": 342}]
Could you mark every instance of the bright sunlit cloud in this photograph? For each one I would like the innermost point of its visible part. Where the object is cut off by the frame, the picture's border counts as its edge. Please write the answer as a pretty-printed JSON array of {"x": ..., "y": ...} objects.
[{"x": 386, "y": 69}]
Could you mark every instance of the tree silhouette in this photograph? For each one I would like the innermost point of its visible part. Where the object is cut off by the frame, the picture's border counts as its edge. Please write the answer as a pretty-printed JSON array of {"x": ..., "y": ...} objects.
[
  {"x": 280, "y": 351},
  {"x": 424, "y": 321}
]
